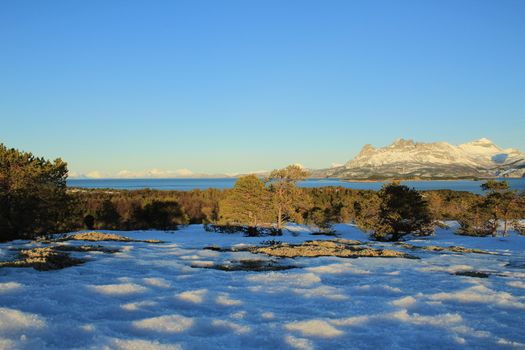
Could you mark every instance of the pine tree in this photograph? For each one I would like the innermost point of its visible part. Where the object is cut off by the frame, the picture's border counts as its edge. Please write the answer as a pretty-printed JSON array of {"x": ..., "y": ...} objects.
[
  {"x": 33, "y": 197},
  {"x": 501, "y": 202},
  {"x": 395, "y": 211},
  {"x": 286, "y": 197},
  {"x": 247, "y": 203}
]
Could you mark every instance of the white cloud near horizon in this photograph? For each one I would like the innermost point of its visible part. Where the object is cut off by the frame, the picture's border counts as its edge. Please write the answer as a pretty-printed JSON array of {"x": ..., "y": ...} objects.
[
  {"x": 128, "y": 174},
  {"x": 95, "y": 174},
  {"x": 154, "y": 173}
]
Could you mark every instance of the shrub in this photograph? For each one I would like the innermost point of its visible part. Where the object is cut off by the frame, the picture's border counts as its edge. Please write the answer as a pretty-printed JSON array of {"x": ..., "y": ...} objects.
[{"x": 395, "y": 211}]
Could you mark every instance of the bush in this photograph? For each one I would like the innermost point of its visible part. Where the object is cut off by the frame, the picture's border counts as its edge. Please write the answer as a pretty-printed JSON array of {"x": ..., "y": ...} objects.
[
  {"x": 477, "y": 221},
  {"x": 89, "y": 222},
  {"x": 321, "y": 219},
  {"x": 395, "y": 211},
  {"x": 499, "y": 205}
]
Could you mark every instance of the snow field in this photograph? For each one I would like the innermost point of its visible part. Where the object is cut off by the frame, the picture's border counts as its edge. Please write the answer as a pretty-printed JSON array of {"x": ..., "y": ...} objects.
[{"x": 148, "y": 296}]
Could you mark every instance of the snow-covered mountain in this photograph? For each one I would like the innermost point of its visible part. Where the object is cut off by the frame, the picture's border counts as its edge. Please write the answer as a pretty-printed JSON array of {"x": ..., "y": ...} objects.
[{"x": 406, "y": 158}]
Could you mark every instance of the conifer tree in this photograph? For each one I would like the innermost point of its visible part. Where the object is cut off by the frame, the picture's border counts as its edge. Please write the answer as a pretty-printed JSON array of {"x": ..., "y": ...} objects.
[
  {"x": 33, "y": 197},
  {"x": 501, "y": 202},
  {"x": 286, "y": 197},
  {"x": 395, "y": 211},
  {"x": 247, "y": 203}
]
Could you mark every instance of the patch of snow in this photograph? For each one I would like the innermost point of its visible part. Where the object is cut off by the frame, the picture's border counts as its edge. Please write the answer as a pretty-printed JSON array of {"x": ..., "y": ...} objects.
[
  {"x": 239, "y": 315},
  {"x": 327, "y": 292},
  {"x": 193, "y": 296},
  {"x": 15, "y": 320},
  {"x": 237, "y": 328},
  {"x": 444, "y": 320},
  {"x": 298, "y": 279},
  {"x": 154, "y": 298},
  {"x": 138, "y": 305},
  {"x": 337, "y": 268},
  {"x": 404, "y": 302},
  {"x": 316, "y": 328},
  {"x": 480, "y": 294},
  {"x": 119, "y": 289},
  {"x": 268, "y": 315},
  {"x": 139, "y": 344},
  {"x": 517, "y": 284},
  {"x": 9, "y": 287},
  {"x": 299, "y": 343},
  {"x": 157, "y": 282},
  {"x": 225, "y": 300},
  {"x": 168, "y": 324}
]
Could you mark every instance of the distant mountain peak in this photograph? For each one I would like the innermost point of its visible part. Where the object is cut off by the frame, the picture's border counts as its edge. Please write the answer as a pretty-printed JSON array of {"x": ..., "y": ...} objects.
[
  {"x": 367, "y": 150},
  {"x": 484, "y": 140},
  {"x": 406, "y": 158},
  {"x": 402, "y": 143},
  {"x": 481, "y": 142}
]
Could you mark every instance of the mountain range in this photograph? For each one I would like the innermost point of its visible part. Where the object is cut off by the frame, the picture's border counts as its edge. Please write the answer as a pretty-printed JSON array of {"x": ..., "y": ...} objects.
[
  {"x": 409, "y": 159},
  {"x": 403, "y": 159}
]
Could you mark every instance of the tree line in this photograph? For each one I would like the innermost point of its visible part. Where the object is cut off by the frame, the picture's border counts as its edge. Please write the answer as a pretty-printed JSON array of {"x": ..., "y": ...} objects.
[{"x": 34, "y": 200}]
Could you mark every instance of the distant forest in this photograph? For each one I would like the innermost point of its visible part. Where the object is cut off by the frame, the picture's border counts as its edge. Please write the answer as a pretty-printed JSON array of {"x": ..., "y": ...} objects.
[{"x": 35, "y": 201}]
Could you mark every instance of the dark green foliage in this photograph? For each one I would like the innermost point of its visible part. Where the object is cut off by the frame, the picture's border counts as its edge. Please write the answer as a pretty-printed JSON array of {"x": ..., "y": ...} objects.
[
  {"x": 249, "y": 231},
  {"x": 448, "y": 204},
  {"x": 500, "y": 205},
  {"x": 247, "y": 203},
  {"x": 495, "y": 186},
  {"x": 107, "y": 216},
  {"x": 160, "y": 215},
  {"x": 395, "y": 211},
  {"x": 322, "y": 219},
  {"x": 501, "y": 202},
  {"x": 89, "y": 222},
  {"x": 33, "y": 199},
  {"x": 141, "y": 209},
  {"x": 287, "y": 199},
  {"x": 317, "y": 206}
]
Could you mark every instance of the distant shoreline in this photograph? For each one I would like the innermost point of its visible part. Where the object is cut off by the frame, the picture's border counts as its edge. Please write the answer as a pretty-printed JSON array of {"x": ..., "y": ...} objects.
[{"x": 427, "y": 179}]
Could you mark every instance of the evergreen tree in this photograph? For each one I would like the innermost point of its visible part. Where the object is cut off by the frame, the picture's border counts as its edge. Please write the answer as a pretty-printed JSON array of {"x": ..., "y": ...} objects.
[
  {"x": 107, "y": 216},
  {"x": 160, "y": 215},
  {"x": 322, "y": 219},
  {"x": 477, "y": 220},
  {"x": 501, "y": 202},
  {"x": 33, "y": 199},
  {"x": 248, "y": 203},
  {"x": 395, "y": 211},
  {"x": 286, "y": 197}
]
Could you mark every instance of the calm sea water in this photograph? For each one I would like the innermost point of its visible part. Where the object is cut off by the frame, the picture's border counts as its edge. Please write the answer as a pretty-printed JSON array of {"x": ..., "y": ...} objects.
[{"x": 191, "y": 184}]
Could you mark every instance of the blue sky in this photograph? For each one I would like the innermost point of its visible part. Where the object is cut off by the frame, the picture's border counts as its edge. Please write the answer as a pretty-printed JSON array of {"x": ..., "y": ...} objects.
[{"x": 235, "y": 86}]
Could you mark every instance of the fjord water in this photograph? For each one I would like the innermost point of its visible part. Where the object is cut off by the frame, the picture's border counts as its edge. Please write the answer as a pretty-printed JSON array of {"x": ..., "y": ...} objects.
[{"x": 222, "y": 183}]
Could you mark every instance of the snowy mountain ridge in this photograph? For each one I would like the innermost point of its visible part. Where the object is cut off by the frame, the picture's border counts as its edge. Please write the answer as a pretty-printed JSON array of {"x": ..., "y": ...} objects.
[{"x": 479, "y": 158}]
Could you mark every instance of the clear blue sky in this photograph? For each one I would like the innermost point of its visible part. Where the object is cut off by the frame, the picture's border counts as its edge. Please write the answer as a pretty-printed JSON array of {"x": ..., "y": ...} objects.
[{"x": 234, "y": 86}]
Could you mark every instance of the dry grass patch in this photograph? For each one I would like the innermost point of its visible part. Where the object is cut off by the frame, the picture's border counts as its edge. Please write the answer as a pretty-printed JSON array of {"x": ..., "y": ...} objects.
[
  {"x": 328, "y": 248},
  {"x": 53, "y": 257},
  {"x": 43, "y": 259},
  {"x": 100, "y": 236},
  {"x": 455, "y": 249}
]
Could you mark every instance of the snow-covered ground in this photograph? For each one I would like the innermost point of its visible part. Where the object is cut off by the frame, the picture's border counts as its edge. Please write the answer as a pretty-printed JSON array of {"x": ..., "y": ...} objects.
[{"x": 148, "y": 296}]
